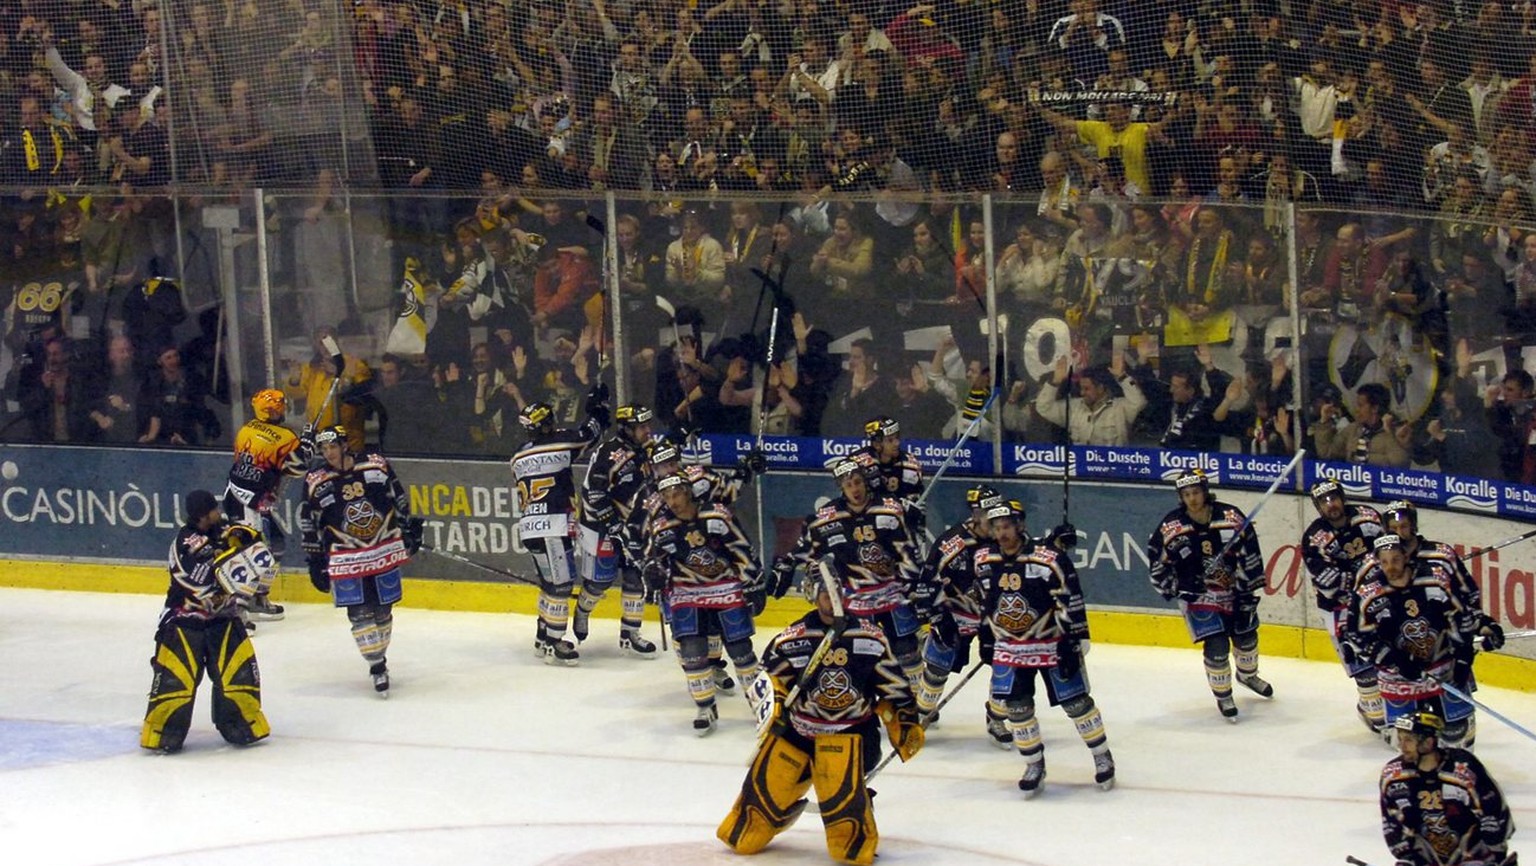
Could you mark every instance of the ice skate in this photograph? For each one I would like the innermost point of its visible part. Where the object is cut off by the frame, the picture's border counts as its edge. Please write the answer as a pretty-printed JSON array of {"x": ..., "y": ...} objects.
[
  {"x": 559, "y": 652},
  {"x": 1256, "y": 684},
  {"x": 997, "y": 730},
  {"x": 1033, "y": 779},
  {"x": 723, "y": 682},
  {"x": 380, "y": 674},
  {"x": 261, "y": 607},
  {"x": 632, "y": 644},
  {"x": 705, "y": 722},
  {"x": 1104, "y": 770},
  {"x": 581, "y": 622},
  {"x": 1228, "y": 708}
]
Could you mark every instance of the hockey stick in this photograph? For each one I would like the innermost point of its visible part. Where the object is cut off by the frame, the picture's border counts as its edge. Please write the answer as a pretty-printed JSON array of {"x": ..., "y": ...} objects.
[
  {"x": 997, "y": 388},
  {"x": 1517, "y": 635},
  {"x": 1252, "y": 515},
  {"x": 1355, "y": 861},
  {"x": 464, "y": 560},
  {"x": 931, "y": 715},
  {"x": 328, "y": 342},
  {"x": 1499, "y": 545},
  {"x": 596, "y": 225},
  {"x": 1458, "y": 693},
  {"x": 762, "y": 393},
  {"x": 839, "y": 623}
]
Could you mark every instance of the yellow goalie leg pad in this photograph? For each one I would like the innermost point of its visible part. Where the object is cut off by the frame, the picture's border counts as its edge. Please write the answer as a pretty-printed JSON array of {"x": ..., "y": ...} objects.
[
  {"x": 846, "y": 810},
  {"x": 178, "y": 669},
  {"x": 237, "y": 689},
  {"x": 770, "y": 799}
]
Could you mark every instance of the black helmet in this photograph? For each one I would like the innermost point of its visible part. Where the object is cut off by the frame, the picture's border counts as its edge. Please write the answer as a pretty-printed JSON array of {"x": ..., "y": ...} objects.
[
  {"x": 1193, "y": 478},
  {"x": 978, "y": 495},
  {"x": 631, "y": 414},
  {"x": 1401, "y": 509},
  {"x": 1326, "y": 487},
  {"x": 1425, "y": 723},
  {"x": 1012, "y": 508},
  {"x": 536, "y": 416},
  {"x": 880, "y": 427},
  {"x": 331, "y": 433}
]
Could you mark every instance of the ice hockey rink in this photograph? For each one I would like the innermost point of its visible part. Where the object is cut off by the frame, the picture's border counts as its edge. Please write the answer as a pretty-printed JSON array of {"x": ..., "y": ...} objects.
[{"x": 483, "y": 755}]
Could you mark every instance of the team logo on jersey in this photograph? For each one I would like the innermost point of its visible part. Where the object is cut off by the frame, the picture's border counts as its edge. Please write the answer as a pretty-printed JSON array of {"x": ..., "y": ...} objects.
[
  {"x": 1418, "y": 639},
  {"x": 1014, "y": 614},
  {"x": 703, "y": 562},
  {"x": 835, "y": 690},
  {"x": 363, "y": 520},
  {"x": 874, "y": 558}
]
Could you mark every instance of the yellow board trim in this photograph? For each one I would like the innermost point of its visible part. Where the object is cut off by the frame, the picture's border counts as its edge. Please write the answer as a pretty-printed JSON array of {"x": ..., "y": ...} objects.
[{"x": 1109, "y": 627}]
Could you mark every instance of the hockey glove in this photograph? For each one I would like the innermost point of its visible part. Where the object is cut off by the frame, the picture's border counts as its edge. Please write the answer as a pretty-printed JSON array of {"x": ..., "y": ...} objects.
[
  {"x": 943, "y": 629},
  {"x": 410, "y": 533},
  {"x": 319, "y": 572},
  {"x": 307, "y": 445},
  {"x": 1493, "y": 635},
  {"x": 1069, "y": 661},
  {"x": 757, "y": 598},
  {"x": 1167, "y": 589},
  {"x": 596, "y": 406},
  {"x": 782, "y": 577},
  {"x": 1063, "y": 538},
  {"x": 903, "y": 729},
  {"x": 654, "y": 574}
]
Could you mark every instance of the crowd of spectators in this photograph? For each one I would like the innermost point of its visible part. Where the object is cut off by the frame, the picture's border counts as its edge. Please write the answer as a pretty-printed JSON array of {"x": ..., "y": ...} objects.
[{"x": 1141, "y": 155}]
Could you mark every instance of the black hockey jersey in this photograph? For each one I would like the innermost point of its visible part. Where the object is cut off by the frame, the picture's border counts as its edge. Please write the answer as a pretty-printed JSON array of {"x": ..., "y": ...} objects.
[
  {"x": 1333, "y": 554},
  {"x": 356, "y": 516},
  {"x": 195, "y": 594},
  {"x": 857, "y": 674},
  {"x": 901, "y": 478},
  {"x": 613, "y": 482},
  {"x": 1031, "y": 599},
  {"x": 944, "y": 581},
  {"x": 708, "y": 559},
  {"x": 1184, "y": 555},
  {"x": 1429, "y": 816},
  {"x": 1410, "y": 632},
  {"x": 546, "y": 487},
  {"x": 873, "y": 550}
]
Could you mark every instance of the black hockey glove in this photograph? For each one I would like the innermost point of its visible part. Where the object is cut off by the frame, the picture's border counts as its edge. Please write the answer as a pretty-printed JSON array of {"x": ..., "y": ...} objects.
[
  {"x": 410, "y": 533},
  {"x": 943, "y": 629},
  {"x": 596, "y": 406},
  {"x": 307, "y": 444},
  {"x": 1063, "y": 538},
  {"x": 783, "y": 576},
  {"x": 1493, "y": 635},
  {"x": 757, "y": 598},
  {"x": 654, "y": 574},
  {"x": 1069, "y": 659},
  {"x": 752, "y": 464},
  {"x": 319, "y": 571}
]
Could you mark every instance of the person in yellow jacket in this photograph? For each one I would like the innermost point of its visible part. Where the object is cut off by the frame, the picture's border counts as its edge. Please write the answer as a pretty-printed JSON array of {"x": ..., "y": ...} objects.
[{"x": 312, "y": 381}]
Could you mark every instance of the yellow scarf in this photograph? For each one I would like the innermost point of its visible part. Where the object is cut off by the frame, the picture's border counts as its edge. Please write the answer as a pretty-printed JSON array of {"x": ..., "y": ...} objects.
[
  {"x": 34, "y": 159},
  {"x": 1218, "y": 267}
]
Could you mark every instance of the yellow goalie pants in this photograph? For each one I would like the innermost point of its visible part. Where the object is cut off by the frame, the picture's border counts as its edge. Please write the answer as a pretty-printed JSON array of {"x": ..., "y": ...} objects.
[
  {"x": 182, "y": 652},
  {"x": 784, "y": 768}
]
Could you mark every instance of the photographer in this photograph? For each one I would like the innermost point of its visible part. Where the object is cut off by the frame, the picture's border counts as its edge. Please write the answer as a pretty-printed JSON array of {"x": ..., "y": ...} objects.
[
  {"x": 1374, "y": 437},
  {"x": 1508, "y": 407}
]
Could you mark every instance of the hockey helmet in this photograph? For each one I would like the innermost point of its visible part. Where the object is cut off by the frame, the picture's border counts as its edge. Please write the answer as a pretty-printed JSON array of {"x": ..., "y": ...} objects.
[
  {"x": 1423, "y": 723},
  {"x": 1401, "y": 509},
  {"x": 536, "y": 416},
  {"x": 331, "y": 433},
  {"x": 880, "y": 427},
  {"x": 977, "y": 495},
  {"x": 632, "y": 414},
  {"x": 1387, "y": 542},
  {"x": 845, "y": 467},
  {"x": 1326, "y": 487},
  {"x": 665, "y": 452},
  {"x": 269, "y": 404},
  {"x": 1193, "y": 478},
  {"x": 811, "y": 584},
  {"x": 1011, "y": 509},
  {"x": 672, "y": 481}
]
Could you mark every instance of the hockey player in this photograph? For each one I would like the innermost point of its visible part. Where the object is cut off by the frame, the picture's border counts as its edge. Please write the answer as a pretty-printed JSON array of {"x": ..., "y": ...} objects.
[
  {"x": 829, "y": 737},
  {"x": 699, "y": 560},
  {"x": 1030, "y": 598},
  {"x": 1333, "y": 547},
  {"x": 1439, "y": 805},
  {"x": 1407, "y": 621},
  {"x": 1198, "y": 558},
  {"x": 873, "y": 549},
  {"x": 266, "y": 452},
  {"x": 546, "y": 500},
  {"x": 891, "y": 471},
  {"x": 357, "y": 533},
  {"x": 1401, "y": 518},
  {"x": 609, "y": 492},
  {"x": 212, "y": 563},
  {"x": 942, "y": 598}
]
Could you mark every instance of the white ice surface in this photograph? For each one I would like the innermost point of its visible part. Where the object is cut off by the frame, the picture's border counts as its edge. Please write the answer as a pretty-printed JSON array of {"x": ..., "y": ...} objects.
[{"x": 485, "y": 756}]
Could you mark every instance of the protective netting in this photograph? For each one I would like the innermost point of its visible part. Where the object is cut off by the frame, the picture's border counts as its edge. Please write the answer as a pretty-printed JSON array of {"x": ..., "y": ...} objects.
[{"x": 1288, "y": 204}]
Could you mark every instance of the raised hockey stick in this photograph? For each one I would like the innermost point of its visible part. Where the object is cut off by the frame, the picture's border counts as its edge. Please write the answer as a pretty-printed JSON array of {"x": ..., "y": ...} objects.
[
  {"x": 340, "y": 361},
  {"x": 1511, "y": 723},
  {"x": 1252, "y": 515},
  {"x": 597, "y": 225},
  {"x": 1516, "y": 635},
  {"x": 931, "y": 715},
  {"x": 970, "y": 430},
  {"x": 1499, "y": 544},
  {"x": 464, "y": 560}
]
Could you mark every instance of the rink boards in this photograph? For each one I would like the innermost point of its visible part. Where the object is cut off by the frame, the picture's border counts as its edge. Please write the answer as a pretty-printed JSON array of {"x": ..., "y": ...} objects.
[{"x": 102, "y": 520}]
